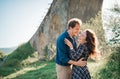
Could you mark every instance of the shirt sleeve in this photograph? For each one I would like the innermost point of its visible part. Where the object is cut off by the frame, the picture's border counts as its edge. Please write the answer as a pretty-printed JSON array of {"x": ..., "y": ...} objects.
[{"x": 63, "y": 54}]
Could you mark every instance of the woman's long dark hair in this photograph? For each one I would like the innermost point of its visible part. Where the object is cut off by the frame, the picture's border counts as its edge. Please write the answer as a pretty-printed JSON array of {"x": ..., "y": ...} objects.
[{"x": 92, "y": 42}]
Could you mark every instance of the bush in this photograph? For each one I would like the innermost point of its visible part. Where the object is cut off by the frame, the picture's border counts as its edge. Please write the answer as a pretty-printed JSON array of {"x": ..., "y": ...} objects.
[
  {"x": 112, "y": 68},
  {"x": 1, "y": 54},
  {"x": 20, "y": 54},
  {"x": 14, "y": 59}
]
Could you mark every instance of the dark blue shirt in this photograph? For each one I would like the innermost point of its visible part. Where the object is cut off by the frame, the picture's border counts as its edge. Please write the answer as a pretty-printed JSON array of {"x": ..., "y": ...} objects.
[{"x": 62, "y": 50}]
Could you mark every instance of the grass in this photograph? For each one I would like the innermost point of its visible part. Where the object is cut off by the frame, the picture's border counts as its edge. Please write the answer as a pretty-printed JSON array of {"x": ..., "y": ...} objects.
[
  {"x": 38, "y": 70},
  {"x": 46, "y": 70},
  {"x": 24, "y": 64},
  {"x": 13, "y": 61}
]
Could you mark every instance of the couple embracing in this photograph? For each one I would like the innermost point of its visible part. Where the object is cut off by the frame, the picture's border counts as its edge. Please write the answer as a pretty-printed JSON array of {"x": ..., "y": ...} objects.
[{"x": 68, "y": 52}]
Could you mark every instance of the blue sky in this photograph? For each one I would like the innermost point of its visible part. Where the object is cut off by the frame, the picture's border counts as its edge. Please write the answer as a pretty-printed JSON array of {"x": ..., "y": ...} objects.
[{"x": 19, "y": 20}]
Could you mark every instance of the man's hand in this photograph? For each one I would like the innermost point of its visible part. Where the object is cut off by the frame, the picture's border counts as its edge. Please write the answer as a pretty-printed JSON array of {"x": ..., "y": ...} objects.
[{"x": 80, "y": 62}]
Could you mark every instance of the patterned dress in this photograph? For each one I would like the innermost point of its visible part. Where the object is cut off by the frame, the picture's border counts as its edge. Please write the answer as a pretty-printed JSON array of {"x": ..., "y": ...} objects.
[{"x": 77, "y": 71}]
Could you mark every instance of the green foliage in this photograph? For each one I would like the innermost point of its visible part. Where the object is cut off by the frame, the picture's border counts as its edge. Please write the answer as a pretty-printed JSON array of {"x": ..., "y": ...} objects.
[
  {"x": 15, "y": 58},
  {"x": 46, "y": 51},
  {"x": 1, "y": 54},
  {"x": 112, "y": 69},
  {"x": 36, "y": 70},
  {"x": 2, "y": 57},
  {"x": 50, "y": 52},
  {"x": 20, "y": 54},
  {"x": 4, "y": 71}
]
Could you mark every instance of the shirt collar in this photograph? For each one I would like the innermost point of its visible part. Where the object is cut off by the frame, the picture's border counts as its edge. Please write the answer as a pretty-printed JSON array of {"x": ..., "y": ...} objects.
[{"x": 67, "y": 34}]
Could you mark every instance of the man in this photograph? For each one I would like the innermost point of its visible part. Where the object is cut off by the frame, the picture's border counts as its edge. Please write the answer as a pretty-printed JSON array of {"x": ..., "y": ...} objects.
[{"x": 63, "y": 61}]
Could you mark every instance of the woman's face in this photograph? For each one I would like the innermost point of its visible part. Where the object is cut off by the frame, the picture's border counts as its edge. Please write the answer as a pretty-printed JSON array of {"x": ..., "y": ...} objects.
[{"x": 82, "y": 37}]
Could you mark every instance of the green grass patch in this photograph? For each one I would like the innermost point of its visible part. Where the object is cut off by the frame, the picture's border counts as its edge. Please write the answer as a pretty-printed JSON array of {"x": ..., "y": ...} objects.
[
  {"x": 37, "y": 70},
  {"x": 13, "y": 61}
]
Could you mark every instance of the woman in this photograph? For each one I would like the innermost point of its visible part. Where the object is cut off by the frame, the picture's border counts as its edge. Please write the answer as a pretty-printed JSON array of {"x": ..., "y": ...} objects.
[{"x": 87, "y": 48}]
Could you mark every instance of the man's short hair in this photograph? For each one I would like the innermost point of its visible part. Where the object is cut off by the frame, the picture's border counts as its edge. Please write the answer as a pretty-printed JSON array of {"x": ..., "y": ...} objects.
[{"x": 72, "y": 22}]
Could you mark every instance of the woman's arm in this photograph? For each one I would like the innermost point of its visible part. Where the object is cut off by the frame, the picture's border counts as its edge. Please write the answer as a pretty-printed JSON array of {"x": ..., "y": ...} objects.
[{"x": 75, "y": 55}]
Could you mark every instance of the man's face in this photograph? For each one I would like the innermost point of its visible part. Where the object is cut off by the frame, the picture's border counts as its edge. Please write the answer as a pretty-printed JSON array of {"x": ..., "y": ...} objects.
[{"x": 75, "y": 30}]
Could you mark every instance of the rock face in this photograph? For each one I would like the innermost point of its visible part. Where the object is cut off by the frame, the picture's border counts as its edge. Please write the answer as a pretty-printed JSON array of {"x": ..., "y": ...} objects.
[
  {"x": 84, "y": 9},
  {"x": 55, "y": 21}
]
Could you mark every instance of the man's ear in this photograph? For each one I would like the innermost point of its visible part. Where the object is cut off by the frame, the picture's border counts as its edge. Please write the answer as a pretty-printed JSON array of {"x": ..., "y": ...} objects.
[{"x": 70, "y": 27}]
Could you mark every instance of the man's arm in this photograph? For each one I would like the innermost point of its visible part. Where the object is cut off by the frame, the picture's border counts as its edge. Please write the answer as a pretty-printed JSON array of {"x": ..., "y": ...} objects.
[
  {"x": 63, "y": 55},
  {"x": 78, "y": 63}
]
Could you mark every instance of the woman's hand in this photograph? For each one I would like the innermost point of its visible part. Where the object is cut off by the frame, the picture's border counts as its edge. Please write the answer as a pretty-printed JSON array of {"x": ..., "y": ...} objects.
[{"x": 67, "y": 42}]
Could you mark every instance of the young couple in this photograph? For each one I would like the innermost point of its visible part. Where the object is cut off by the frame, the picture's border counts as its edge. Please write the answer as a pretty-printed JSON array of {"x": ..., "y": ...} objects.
[{"x": 68, "y": 53}]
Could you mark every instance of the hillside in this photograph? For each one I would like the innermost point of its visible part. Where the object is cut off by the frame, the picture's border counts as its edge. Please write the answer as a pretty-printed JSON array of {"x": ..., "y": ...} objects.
[
  {"x": 23, "y": 63},
  {"x": 7, "y": 50},
  {"x": 36, "y": 69}
]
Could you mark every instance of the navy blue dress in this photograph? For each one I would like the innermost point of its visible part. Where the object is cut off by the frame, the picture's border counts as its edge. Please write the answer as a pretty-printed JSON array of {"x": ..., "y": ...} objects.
[{"x": 77, "y": 71}]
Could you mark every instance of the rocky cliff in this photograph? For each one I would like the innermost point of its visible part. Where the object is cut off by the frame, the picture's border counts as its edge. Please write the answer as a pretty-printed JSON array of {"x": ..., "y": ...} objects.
[{"x": 56, "y": 19}]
